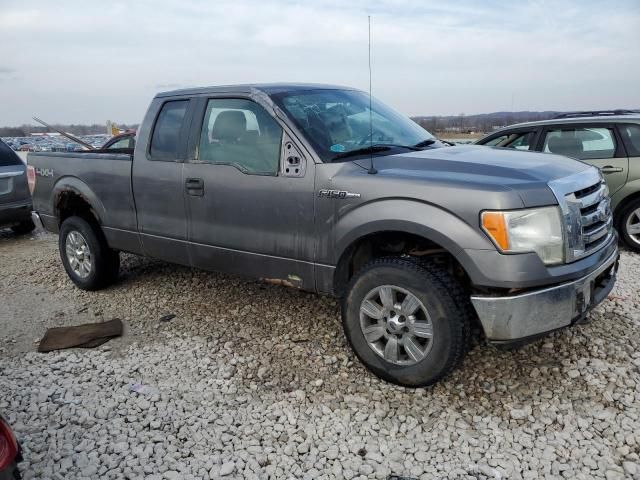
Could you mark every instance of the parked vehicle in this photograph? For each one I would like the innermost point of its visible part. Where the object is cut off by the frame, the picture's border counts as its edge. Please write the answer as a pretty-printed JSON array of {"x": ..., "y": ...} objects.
[
  {"x": 307, "y": 187},
  {"x": 10, "y": 453},
  {"x": 15, "y": 200},
  {"x": 126, "y": 141},
  {"x": 609, "y": 140}
]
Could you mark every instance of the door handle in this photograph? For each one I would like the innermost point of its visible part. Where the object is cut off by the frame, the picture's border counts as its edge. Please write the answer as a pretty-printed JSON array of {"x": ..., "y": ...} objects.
[
  {"x": 194, "y": 186},
  {"x": 611, "y": 169}
]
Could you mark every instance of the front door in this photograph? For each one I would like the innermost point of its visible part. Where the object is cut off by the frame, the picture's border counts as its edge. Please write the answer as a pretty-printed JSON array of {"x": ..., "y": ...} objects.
[
  {"x": 595, "y": 144},
  {"x": 158, "y": 184},
  {"x": 249, "y": 212}
]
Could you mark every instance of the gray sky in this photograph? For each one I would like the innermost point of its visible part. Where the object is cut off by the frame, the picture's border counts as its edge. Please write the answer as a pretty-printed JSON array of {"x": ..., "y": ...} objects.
[{"x": 89, "y": 61}]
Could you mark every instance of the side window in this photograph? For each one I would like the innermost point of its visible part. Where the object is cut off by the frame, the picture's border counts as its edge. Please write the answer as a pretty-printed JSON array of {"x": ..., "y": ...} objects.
[
  {"x": 8, "y": 156},
  {"x": 631, "y": 137},
  {"x": 241, "y": 133},
  {"x": 495, "y": 141},
  {"x": 166, "y": 132},
  {"x": 520, "y": 140},
  {"x": 581, "y": 143},
  {"x": 124, "y": 143}
]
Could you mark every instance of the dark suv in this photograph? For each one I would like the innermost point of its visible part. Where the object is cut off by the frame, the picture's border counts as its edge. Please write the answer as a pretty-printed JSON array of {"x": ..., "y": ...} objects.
[
  {"x": 15, "y": 199},
  {"x": 609, "y": 140}
]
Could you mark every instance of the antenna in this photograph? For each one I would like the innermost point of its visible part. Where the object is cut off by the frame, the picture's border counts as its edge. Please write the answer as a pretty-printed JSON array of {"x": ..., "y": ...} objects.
[{"x": 372, "y": 169}]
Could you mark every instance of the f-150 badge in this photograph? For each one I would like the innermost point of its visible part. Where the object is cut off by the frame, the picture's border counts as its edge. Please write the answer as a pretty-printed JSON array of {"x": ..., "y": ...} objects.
[{"x": 341, "y": 194}]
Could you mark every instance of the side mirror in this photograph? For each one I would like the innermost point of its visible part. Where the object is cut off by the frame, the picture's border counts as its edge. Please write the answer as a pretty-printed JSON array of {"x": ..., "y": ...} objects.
[{"x": 294, "y": 163}]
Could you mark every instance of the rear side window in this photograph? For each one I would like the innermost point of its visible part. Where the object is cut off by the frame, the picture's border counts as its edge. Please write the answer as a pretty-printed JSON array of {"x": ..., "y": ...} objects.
[
  {"x": 166, "y": 132},
  {"x": 7, "y": 156},
  {"x": 631, "y": 137},
  {"x": 581, "y": 143}
]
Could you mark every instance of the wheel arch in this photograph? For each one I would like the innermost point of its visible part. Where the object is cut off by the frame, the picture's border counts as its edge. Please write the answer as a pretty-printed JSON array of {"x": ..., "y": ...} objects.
[
  {"x": 407, "y": 240},
  {"x": 70, "y": 196},
  {"x": 622, "y": 203},
  {"x": 415, "y": 222}
]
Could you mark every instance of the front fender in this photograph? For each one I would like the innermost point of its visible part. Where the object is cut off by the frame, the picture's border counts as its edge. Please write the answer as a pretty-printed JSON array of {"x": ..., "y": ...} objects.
[
  {"x": 411, "y": 216},
  {"x": 404, "y": 215}
]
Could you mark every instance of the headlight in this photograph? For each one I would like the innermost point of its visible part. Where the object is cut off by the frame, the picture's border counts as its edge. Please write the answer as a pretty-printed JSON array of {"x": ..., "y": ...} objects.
[{"x": 531, "y": 230}]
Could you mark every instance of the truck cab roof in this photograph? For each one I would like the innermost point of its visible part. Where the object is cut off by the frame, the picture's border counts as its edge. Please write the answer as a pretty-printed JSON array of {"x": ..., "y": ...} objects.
[{"x": 268, "y": 88}]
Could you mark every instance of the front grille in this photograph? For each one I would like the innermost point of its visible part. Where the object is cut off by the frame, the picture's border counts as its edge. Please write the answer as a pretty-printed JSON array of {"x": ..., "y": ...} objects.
[
  {"x": 591, "y": 220},
  {"x": 586, "y": 191},
  {"x": 586, "y": 212}
]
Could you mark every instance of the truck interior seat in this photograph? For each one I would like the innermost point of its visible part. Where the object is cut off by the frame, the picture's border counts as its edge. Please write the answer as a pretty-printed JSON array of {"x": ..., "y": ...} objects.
[
  {"x": 565, "y": 145},
  {"x": 229, "y": 126}
]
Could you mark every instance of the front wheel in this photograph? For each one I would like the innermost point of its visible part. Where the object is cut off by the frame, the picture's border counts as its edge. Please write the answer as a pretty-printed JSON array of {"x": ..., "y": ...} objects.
[
  {"x": 406, "y": 321},
  {"x": 629, "y": 225},
  {"x": 86, "y": 257}
]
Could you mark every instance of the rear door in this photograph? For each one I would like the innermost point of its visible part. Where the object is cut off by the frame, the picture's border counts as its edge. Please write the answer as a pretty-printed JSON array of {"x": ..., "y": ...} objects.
[
  {"x": 157, "y": 179},
  {"x": 597, "y": 144},
  {"x": 630, "y": 134},
  {"x": 13, "y": 180}
]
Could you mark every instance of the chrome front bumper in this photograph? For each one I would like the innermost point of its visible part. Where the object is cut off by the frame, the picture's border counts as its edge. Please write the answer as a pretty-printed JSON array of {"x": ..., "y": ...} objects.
[{"x": 517, "y": 317}]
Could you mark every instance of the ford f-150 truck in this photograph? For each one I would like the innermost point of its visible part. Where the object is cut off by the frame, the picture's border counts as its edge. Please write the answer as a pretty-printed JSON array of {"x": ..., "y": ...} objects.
[{"x": 324, "y": 189}]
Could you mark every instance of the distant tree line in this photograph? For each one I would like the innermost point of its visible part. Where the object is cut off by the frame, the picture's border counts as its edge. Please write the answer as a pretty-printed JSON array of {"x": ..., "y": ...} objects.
[
  {"x": 485, "y": 122},
  {"x": 26, "y": 130}
]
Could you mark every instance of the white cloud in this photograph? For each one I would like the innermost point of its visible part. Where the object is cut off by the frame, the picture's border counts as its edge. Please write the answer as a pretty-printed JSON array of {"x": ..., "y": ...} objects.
[{"x": 79, "y": 61}]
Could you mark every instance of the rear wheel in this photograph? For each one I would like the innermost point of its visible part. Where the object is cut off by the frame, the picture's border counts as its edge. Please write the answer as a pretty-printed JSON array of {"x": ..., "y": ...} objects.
[
  {"x": 86, "y": 257},
  {"x": 629, "y": 225},
  {"x": 406, "y": 321},
  {"x": 26, "y": 226}
]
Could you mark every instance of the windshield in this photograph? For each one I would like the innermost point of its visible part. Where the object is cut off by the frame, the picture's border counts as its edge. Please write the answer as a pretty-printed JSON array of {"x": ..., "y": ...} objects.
[{"x": 337, "y": 122}]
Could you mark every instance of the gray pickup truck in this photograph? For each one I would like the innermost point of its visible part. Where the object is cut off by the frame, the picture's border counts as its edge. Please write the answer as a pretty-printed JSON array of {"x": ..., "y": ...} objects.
[{"x": 321, "y": 188}]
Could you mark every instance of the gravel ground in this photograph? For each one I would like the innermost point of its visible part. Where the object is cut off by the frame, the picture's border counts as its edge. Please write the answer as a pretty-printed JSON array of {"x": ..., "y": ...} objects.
[{"x": 256, "y": 381}]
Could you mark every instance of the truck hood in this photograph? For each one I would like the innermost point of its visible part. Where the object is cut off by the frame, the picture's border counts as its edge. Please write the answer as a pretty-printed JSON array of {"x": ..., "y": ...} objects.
[{"x": 527, "y": 173}]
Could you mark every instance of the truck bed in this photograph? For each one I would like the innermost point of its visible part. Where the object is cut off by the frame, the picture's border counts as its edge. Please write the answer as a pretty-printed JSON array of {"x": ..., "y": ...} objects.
[{"x": 102, "y": 178}]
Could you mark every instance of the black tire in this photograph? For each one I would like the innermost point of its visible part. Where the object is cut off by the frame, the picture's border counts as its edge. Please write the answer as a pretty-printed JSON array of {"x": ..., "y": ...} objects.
[
  {"x": 629, "y": 211},
  {"x": 446, "y": 303},
  {"x": 27, "y": 226},
  {"x": 105, "y": 262}
]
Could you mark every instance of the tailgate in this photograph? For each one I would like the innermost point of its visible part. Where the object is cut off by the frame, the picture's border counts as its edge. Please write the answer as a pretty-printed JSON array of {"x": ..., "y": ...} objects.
[{"x": 13, "y": 179}]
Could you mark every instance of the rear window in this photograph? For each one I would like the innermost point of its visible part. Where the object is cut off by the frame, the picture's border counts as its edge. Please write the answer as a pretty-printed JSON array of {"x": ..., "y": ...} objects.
[
  {"x": 7, "y": 156},
  {"x": 166, "y": 132},
  {"x": 631, "y": 137}
]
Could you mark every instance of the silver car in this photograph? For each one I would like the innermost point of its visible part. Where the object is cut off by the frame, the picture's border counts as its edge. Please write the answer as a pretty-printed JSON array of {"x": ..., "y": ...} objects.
[{"x": 15, "y": 199}]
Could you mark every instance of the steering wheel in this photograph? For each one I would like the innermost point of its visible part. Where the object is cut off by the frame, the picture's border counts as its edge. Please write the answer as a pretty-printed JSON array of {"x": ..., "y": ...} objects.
[{"x": 369, "y": 136}]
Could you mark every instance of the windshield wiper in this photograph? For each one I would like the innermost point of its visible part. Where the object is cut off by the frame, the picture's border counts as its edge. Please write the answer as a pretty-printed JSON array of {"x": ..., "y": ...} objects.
[
  {"x": 362, "y": 151},
  {"x": 425, "y": 143},
  {"x": 379, "y": 147}
]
